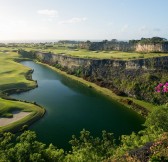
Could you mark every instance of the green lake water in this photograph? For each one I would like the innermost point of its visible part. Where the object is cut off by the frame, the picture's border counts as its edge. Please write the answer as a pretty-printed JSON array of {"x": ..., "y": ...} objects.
[{"x": 71, "y": 106}]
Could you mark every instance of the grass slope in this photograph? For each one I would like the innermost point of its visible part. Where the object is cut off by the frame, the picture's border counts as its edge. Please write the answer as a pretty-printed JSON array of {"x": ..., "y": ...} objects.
[
  {"x": 13, "y": 77},
  {"x": 12, "y": 73}
]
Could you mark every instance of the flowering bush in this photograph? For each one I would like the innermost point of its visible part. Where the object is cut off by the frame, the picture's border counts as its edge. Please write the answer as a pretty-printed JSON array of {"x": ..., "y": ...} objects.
[{"x": 162, "y": 88}]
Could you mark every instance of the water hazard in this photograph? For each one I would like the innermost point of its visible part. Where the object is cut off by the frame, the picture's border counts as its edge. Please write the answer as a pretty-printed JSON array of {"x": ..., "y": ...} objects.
[{"x": 72, "y": 106}]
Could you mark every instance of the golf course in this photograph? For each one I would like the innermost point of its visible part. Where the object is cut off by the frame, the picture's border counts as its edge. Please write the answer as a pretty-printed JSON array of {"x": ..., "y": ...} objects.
[{"x": 13, "y": 79}]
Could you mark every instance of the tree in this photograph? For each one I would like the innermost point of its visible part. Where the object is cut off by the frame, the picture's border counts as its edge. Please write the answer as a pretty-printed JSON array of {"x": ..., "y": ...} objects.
[
  {"x": 114, "y": 40},
  {"x": 158, "y": 118}
]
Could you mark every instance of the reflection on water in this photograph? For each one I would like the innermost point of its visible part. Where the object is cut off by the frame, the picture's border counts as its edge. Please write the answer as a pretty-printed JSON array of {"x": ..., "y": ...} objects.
[{"x": 72, "y": 106}]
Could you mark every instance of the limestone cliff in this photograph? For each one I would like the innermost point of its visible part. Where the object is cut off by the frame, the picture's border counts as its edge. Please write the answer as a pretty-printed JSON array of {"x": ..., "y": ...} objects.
[
  {"x": 145, "y": 45},
  {"x": 135, "y": 78},
  {"x": 104, "y": 67},
  {"x": 151, "y": 48}
]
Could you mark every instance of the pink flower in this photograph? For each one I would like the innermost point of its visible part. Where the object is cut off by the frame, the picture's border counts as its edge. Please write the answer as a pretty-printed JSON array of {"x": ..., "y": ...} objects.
[
  {"x": 162, "y": 87},
  {"x": 165, "y": 88},
  {"x": 160, "y": 84}
]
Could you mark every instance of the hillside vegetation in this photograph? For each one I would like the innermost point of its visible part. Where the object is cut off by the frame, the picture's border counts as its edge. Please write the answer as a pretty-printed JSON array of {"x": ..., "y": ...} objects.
[{"x": 150, "y": 144}]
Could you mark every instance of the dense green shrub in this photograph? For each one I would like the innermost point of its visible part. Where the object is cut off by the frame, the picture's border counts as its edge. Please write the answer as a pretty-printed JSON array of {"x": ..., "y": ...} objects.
[
  {"x": 158, "y": 118},
  {"x": 86, "y": 148},
  {"x": 58, "y": 66}
]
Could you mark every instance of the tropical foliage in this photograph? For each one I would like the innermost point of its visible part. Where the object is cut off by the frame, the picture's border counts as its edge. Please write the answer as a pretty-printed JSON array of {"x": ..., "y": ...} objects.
[{"x": 148, "y": 144}]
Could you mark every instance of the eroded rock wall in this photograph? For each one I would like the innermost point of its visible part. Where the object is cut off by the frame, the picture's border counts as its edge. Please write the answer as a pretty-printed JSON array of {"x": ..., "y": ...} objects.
[
  {"x": 152, "y": 48},
  {"x": 135, "y": 78}
]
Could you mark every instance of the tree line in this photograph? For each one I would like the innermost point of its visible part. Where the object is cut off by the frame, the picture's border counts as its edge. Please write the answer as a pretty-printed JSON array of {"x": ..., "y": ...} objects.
[{"x": 117, "y": 45}]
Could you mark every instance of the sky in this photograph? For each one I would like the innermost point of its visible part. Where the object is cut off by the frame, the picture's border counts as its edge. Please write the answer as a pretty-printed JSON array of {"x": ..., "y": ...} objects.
[{"x": 82, "y": 19}]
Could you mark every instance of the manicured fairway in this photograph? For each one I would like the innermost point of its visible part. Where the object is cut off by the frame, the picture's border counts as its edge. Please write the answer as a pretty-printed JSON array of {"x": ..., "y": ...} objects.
[
  {"x": 7, "y": 107},
  {"x": 82, "y": 53},
  {"x": 12, "y": 76}
]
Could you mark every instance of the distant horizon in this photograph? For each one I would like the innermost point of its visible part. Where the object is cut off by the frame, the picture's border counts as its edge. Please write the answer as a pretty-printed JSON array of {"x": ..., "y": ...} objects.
[
  {"x": 52, "y": 40},
  {"x": 56, "y": 40}
]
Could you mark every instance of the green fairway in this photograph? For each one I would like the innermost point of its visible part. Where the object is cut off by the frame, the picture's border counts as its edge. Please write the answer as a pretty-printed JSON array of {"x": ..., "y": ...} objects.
[
  {"x": 12, "y": 73},
  {"x": 13, "y": 77},
  {"x": 82, "y": 53},
  {"x": 108, "y": 54},
  {"x": 8, "y": 106}
]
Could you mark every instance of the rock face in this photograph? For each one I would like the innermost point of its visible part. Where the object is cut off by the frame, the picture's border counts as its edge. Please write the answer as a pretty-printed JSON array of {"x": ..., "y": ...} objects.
[
  {"x": 103, "y": 67},
  {"x": 151, "y": 48},
  {"x": 131, "y": 78},
  {"x": 134, "y": 78},
  {"x": 126, "y": 46},
  {"x": 145, "y": 48}
]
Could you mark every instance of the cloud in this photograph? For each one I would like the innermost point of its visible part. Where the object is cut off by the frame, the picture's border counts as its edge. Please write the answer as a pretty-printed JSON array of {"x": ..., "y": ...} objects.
[
  {"x": 48, "y": 13},
  {"x": 74, "y": 20},
  {"x": 144, "y": 29},
  {"x": 124, "y": 28},
  {"x": 156, "y": 29}
]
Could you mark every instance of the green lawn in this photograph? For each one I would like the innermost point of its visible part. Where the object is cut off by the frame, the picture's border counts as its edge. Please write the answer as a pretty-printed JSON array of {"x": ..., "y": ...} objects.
[
  {"x": 99, "y": 54},
  {"x": 12, "y": 76},
  {"x": 16, "y": 72},
  {"x": 7, "y": 106},
  {"x": 109, "y": 54},
  {"x": 83, "y": 53},
  {"x": 12, "y": 73}
]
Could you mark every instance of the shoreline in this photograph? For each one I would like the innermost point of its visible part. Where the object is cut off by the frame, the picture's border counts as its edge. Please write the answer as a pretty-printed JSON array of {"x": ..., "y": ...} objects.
[
  {"x": 25, "y": 122},
  {"x": 33, "y": 116},
  {"x": 134, "y": 104}
]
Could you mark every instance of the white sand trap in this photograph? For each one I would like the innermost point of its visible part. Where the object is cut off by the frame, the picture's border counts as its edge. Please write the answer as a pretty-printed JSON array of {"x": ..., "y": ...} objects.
[{"x": 17, "y": 115}]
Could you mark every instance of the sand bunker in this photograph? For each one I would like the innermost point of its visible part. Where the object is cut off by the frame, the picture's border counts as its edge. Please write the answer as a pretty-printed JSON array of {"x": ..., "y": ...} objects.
[{"x": 17, "y": 115}]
